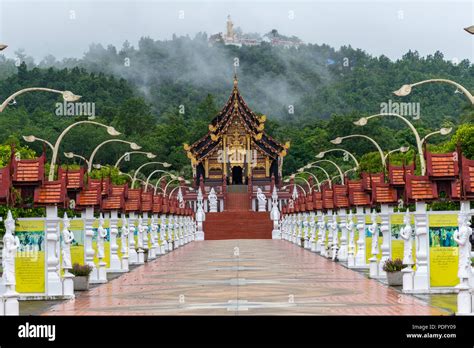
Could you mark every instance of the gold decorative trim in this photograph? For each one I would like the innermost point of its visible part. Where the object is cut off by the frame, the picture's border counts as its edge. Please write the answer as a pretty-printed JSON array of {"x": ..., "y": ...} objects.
[
  {"x": 258, "y": 136},
  {"x": 287, "y": 145},
  {"x": 212, "y": 128},
  {"x": 186, "y": 146},
  {"x": 262, "y": 118}
]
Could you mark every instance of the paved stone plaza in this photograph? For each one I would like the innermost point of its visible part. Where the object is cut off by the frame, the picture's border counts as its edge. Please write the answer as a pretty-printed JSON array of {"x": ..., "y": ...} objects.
[{"x": 249, "y": 277}]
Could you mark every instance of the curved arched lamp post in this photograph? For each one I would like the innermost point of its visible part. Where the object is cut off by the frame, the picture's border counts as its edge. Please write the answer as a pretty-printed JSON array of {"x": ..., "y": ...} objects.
[
  {"x": 68, "y": 96},
  {"x": 442, "y": 131},
  {"x": 32, "y": 138},
  {"x": 111, "y": 130},
  {"x": 302, "y": 171},
  {"x": 406, "y": 89},
  {"x": 177, "y": 179},
  {"x": 297, "y": 185},
  {"x": 2, "y": 47},
  {"x": 322, "y": 153},
  {"x": 419, "y": 144},
  {"x": 148, "y": 155},
  {"x": 177, "y": 187},
  {"x": 341, "y": 174},
  {"x": 133, "y": 146},
  {"x": 310, "y": 165},
  {"x": 470, "y": 29},
  {"x": 402, "y": 149},
  {"x": 164, "y": 164},
  {"x": 72, "y": 155},
  {"x": 172, "y": 176},
  {"x": 338, "y": 140},
  {"x": 159, "y": 171},
  {"x": 293, "y": 176}
]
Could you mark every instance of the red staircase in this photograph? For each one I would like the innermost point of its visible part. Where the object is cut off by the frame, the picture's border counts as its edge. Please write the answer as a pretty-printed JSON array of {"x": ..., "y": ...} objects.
[
  {"x": 238, "y": 221},
  {"x": 238, "y": 225},
  {"x": 237, "y": 201}
]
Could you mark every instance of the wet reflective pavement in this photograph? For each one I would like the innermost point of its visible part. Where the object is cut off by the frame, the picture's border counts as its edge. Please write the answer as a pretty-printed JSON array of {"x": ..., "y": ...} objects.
[{"x": 243, "y": 277}]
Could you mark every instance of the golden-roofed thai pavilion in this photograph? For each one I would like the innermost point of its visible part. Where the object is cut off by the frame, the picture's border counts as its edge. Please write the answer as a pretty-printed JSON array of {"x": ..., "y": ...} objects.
[{"x": 237, "y": 148}]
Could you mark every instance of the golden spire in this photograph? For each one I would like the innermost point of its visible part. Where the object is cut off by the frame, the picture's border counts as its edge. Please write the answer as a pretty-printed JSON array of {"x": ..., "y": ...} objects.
[{"x": 236, "y": 81}]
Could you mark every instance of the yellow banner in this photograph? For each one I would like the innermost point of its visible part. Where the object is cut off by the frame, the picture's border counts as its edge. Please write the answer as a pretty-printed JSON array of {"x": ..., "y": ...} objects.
[
  {"x": 30, "y": 257},
  {"x": 444, "y": 266},
  {"x": 29, "y": 225},
  {"x": 442, "y": 220}
]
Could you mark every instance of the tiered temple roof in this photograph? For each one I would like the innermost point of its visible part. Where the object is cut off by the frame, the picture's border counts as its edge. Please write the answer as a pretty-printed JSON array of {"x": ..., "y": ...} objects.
[{"x": 253, "y": 124}]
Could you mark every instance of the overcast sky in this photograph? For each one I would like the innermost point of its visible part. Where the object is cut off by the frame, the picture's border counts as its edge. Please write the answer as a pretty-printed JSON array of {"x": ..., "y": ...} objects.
[{"x": 66, "y": 28}]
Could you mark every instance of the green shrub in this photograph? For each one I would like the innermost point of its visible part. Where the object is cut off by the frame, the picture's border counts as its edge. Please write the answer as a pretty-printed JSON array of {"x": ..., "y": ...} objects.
[
  {"x": 393, "y": 265},
  {"x": 81, "y": 270}
]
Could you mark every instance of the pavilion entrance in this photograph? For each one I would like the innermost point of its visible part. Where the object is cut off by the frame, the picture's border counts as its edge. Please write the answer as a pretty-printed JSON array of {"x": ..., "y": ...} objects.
[{"x": 237, "y": 172}]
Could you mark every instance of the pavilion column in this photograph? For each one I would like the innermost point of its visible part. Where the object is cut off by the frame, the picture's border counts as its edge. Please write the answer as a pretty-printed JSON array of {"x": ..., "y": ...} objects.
[{"x": 421, "y": 277}]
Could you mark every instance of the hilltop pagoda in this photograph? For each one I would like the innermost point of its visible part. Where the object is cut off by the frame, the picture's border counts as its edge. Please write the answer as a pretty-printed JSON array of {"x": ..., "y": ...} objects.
[{"x": 237, "y": 150}]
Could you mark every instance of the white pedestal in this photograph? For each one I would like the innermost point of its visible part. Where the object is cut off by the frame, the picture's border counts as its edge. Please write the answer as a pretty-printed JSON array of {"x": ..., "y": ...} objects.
[
  {"x": 11, "y": 305},
  {"x": 68, "y": 285},
  {"x": 464, "y": 299},
  {"x": 373, "y": 268},
  {"x": 407, "y": 279}
]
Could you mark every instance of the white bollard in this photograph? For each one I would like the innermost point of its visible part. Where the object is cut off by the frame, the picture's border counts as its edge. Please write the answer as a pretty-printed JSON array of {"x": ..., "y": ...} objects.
[
  {"x": 88, "y": 217},
  {"x": 360, "y": 260},
  {"x": 54, "y": 284},
  {"x": 132, "y": 253},
  {"x": 312, "y": 231},
  {"x": 385, "y": 211},
  {"x": 115, "y": 263},
  {"x": 350, "y": 226},
  {"x": 342, "y": 253},
  {"x": 421, "y": 276},
  {"x": 406, "y": 234},
  {"x": 374, "y": 265},
  {"x": 124, "y": 247},
  {"x": 101, "y": 235},
  {"x": 140, "y": 247},
  {"x": 68, "y": 237}
]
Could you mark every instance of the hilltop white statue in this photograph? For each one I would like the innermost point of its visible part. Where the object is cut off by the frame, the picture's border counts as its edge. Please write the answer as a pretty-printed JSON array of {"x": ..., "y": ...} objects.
[
  {"x": 10, "y": 246},
  {"x": 406, "y": 234},
  {"x": 68, "y": 237},
  {"x": 262, "y": 200},
  {"x": 212, "y": 197}
]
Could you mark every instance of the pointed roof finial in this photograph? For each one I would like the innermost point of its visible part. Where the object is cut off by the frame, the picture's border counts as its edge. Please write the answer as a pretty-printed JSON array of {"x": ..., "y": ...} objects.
[{"x": 236, "y": 81}]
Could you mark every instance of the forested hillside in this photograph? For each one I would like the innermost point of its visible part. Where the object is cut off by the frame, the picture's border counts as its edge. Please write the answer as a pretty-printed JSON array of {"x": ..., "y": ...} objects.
[{"x": 162, "y": 94}]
